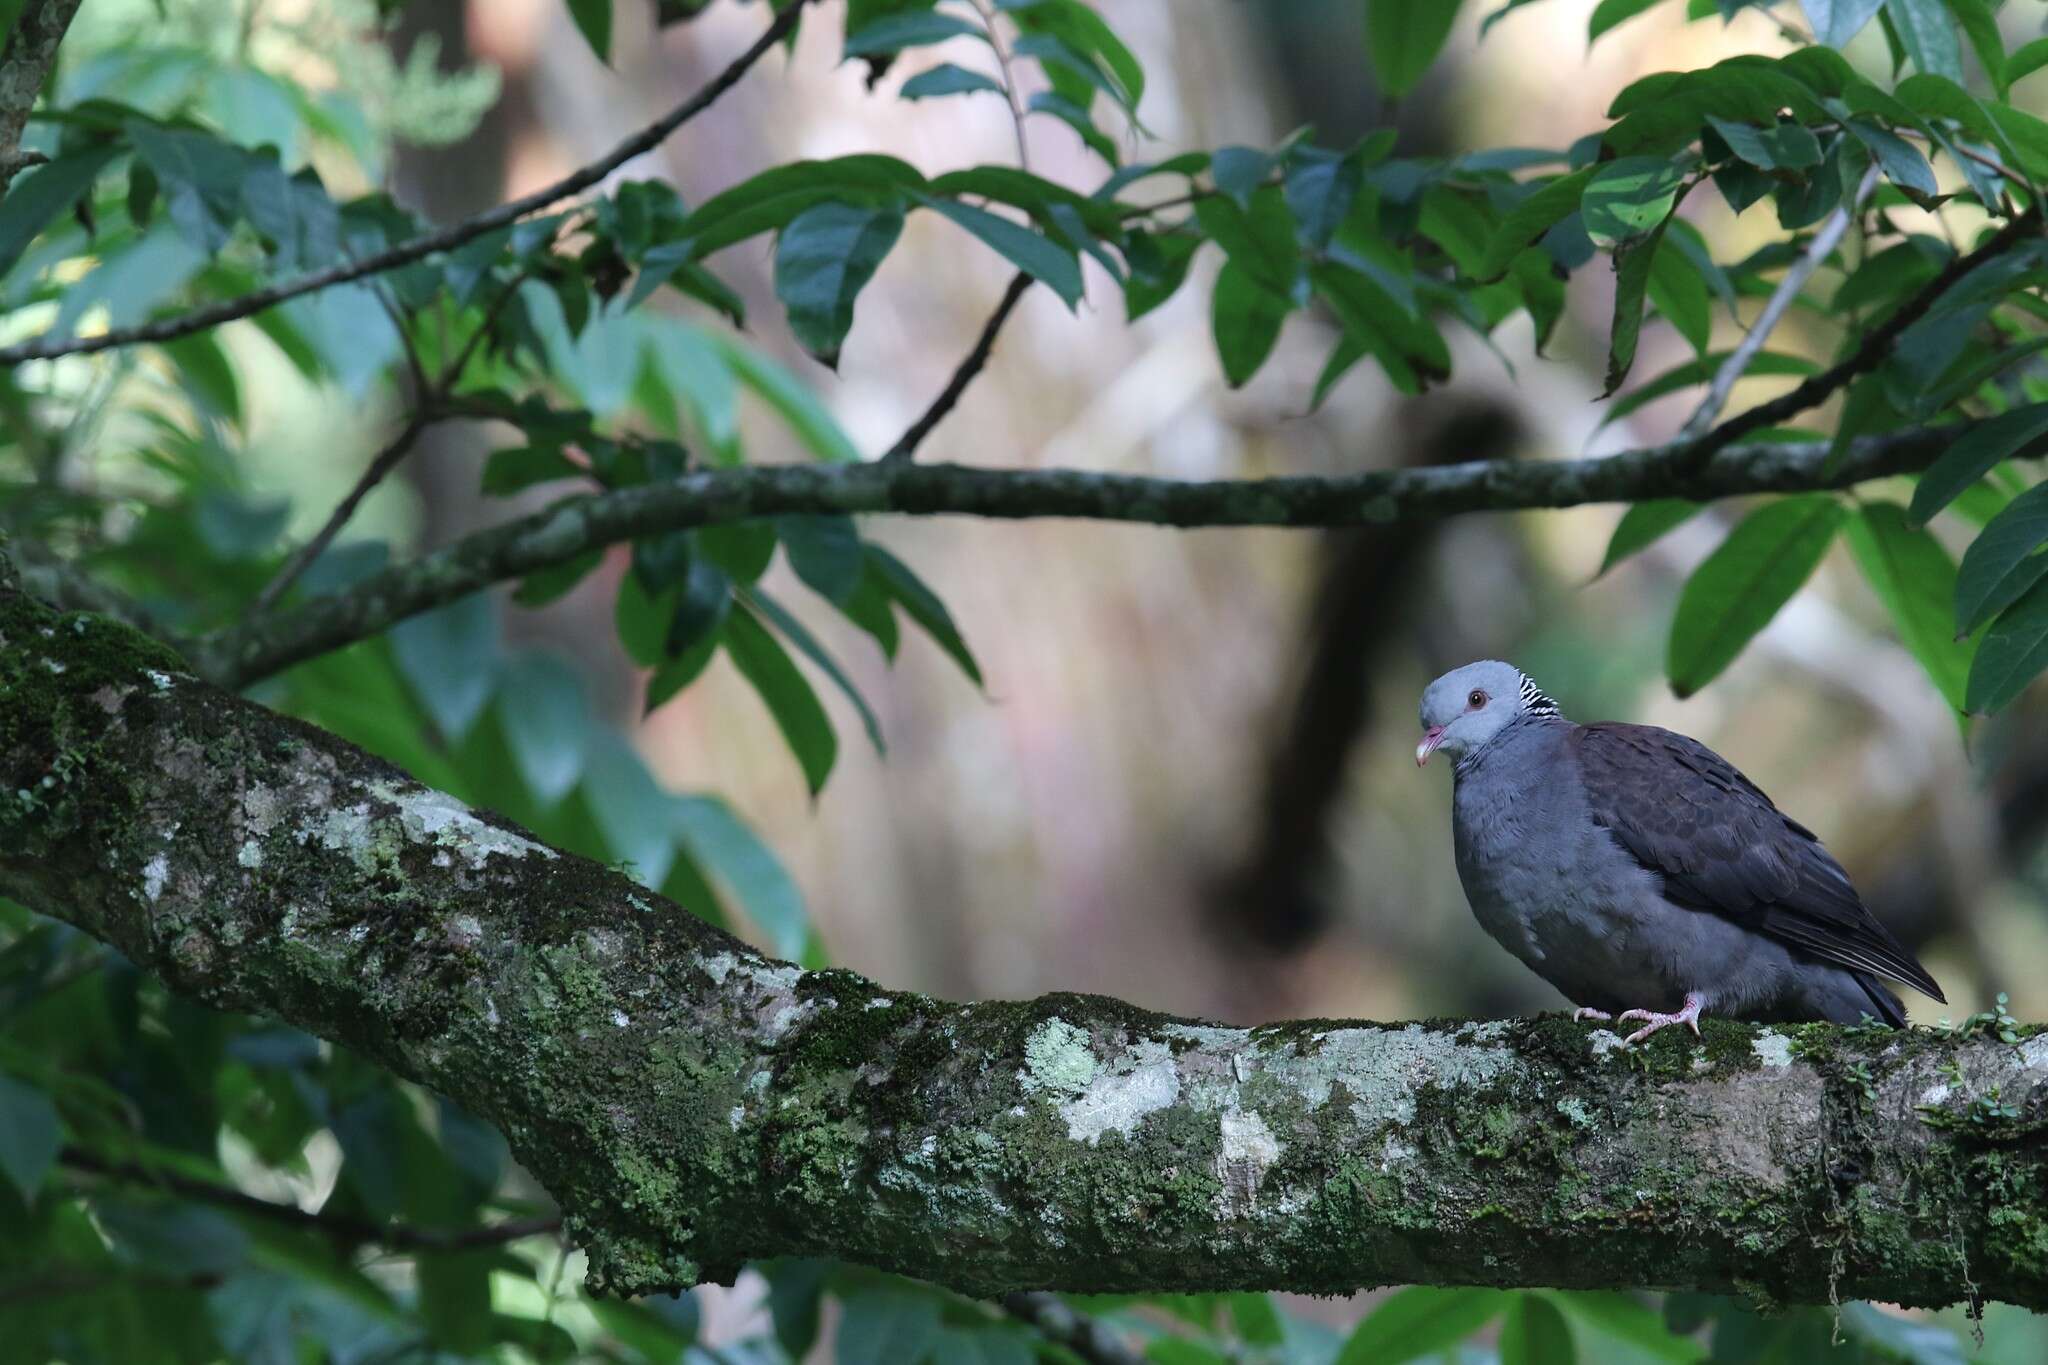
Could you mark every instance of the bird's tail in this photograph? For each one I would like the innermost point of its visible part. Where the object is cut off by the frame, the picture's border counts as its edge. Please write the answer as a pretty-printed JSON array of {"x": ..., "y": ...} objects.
[{"x": 1884, "y": 1004}]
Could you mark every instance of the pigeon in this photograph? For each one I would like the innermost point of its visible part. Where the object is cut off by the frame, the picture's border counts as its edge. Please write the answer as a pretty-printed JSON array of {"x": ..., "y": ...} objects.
[{"x": 1643, "y": 875}]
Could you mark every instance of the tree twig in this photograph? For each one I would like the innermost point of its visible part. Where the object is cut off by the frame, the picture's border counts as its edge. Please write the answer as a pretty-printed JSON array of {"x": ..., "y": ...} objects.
[
  {"x": 25, "y": 64},
  {"x": 1059, "y": 1322},
  {"x": 418, "y": 248},
  {"x": 1796, "y": 275},
  {"x": 397, "y": 1236},
  {"x": 1002, "y": 51},
  {"x": 907, "y": 444},
  {"x": 1688, "y": 456},
  {"x": 265, "y": 643}
]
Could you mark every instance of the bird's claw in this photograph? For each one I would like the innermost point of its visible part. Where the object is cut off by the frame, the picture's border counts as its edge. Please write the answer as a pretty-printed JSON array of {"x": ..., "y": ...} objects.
[
  {"x": 1585, "y": 1012},
  {"x": 1653, "y": 1020}
]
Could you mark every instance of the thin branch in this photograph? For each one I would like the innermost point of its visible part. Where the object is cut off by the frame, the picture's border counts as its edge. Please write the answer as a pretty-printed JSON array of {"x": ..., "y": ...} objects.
[
  {"x": 907, "y": 444},
  {"x": 413, "y": 364},
  {"x": 1053, "y": 1318},
  {"x": 1796, "y": 275},
  {"x": 995, "y": 40},
  {"x": 24, "y": 65},
  {"x": 356, "y": 1231},
  {"x": 448, "y": 238},
  {"x": 265, "y": 643},
  {"x": 433, "y": 405},
  {"x": 1877, "y": 345},
  {"x": 395, "y": 450}
]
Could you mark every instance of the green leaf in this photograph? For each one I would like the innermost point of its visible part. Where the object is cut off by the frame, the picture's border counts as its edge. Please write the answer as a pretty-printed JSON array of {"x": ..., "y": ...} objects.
[
  {"x": 1629, "y": 197},
  {"x": 1916, "y": 580},
  {"x": 1534, "y": 215},
  {"x": 1632, "y": 265},
  {"x": 672, "y": 675},
  {"x": 2014, "y": 649},
  {"x": 1030, "y": 251},
  {"x": 2031, "y": 57},
  {"x": 30, "y": 1135},
  {"x": 1319, "y": 191},
  {"x": 1535, "y": 1333},
  {"x": 1403, "y": 37},
  {"x": 1644, "y": 523},
  {"x": 1246, "y": 318},
  {"x": 894, "y": 32},
  {"x": 826, "y": 553},
  {"x": 1240, "y": 171},
  {"x": 594, "y": 21},
  {"x": 788, "y": 696},
  {"x": 1738, "y": 589},
  {"x": 724, "y": 846},
  {"x": 1680, "y": 295},
  {"x": 547, "y": 585},
  {"x": 449, "y": 658},
  {"x": 2001, "y": 563},
  {"x": 923, "y": 606},
  {"x": 823, "y": 259},
  {"x": 800, "y": 636},
  {"x": 886, "y": 1327},
  {"x": 510, "y": 470},
  {"x": 791, "y": 399},
  {"x": 1628, "y": 1321},
  {"x": 741, "y": 548},
  {"x": 201, "y": 178},
  {"x": 948, "y": 79},
  {"x": 547, "y": 721},
  {"x": 642, "y": 619},
  {"x": 1780, "y": 147},
  {"x": 1929, "y": 36},
  {"x": 1903, "y": 163},
  {"x": 982, "y": 1346},
  {"x": 1835, "y": 22},
  {"x": 1419, "y": 1321},
  {"x": 39, "y": 194},
  {"x": 1608, "y": 13},
  {"x": 1696, "y": 372},
  {"x": 2019, "y": 433}
]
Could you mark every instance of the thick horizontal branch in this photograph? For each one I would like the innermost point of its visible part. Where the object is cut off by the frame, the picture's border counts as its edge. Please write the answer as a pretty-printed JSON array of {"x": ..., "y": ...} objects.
[
  {"x": 425, "y": 245},
  {"x": 692, "y": 1105},
  {"x": 265, "y": 644}
]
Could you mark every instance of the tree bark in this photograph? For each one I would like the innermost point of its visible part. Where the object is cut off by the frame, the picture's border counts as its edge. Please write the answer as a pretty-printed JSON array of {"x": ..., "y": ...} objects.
[
  {"x": 25, "y": 63},
  {"x": 692, "y": 1104}
]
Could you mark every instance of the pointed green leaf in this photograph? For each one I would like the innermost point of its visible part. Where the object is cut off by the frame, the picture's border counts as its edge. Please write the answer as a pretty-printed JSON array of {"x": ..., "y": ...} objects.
[
  {"x": 788, "y": 696},
  {"x": 1736, "y": 591},
  {"x": 799, "y": 635},
  {"x": 1630, "y": 196},
  {"x": 1928, "y": 34},
  {"x": 1403, "y": 37},
  {"x": 1916, "y": 580},
  {"x": 594, "y": 21},
  {"x": 1535, "y": 1333},
  {"x": 1643, "y": 524},
  {"x": 1030, "y": 251},
  {"x": 823, "y": 259},
  {"x": 2001, "y": 563},
  {"x": 2021, "y": 432},
  {"x": 1420, "y": 1321},
  {"x": 1632, "y": 266},
  {"x": 923, "y": 606},
  {"x": 1536, "y": 213},
  {"x": 1246, "y": 318},
  {"x": 722, "y": 844},
  {"x": 948, "y": 79},
  {"x": 2013, "y": 651}
]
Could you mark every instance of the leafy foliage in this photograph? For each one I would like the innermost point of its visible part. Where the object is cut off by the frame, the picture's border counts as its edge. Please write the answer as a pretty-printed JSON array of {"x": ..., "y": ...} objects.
[{"x": 598, "y": 340}]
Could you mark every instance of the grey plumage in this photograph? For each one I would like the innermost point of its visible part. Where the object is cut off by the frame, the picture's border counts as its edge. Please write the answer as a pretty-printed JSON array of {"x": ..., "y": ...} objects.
[{"x": 1635, "y": 869}]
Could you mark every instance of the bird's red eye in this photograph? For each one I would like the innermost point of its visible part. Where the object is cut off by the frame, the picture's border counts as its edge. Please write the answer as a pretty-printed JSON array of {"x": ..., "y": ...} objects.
[{"x": 1476, "y": 700}]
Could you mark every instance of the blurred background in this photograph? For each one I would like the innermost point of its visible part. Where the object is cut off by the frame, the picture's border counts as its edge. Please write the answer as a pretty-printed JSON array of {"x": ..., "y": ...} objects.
[{"x": 1188, "y": 783}]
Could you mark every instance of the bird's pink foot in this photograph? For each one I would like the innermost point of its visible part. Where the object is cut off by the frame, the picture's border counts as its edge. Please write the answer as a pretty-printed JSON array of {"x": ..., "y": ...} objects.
[
  {"x": 1585, "y": 1012},
  {"x": 1689, "y": 1015}
]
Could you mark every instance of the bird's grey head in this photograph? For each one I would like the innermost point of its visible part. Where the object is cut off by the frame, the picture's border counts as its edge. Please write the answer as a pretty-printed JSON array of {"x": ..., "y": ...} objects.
[{"x": 1467, "y": 707}]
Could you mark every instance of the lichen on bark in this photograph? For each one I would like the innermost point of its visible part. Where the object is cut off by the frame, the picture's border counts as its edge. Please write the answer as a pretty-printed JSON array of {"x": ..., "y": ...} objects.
[{"x": 692, "y": 1104}]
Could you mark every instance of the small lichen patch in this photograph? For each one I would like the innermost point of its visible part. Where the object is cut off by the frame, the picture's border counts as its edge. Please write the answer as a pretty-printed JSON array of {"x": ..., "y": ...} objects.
[
  {"x": 1772, "y": 1049},
  {"x": 155, "y": 873},
  {"x": 250, "y": 854},
  {"x": 1142, "y": 1081},
  {"x": 1382, "y": 1069},
  {"x": 432, "y": 816},
  {"x": 1249, "y": 1151},
  {"x": 1604, "y": 1041},
  {"x": 1575, "y": 1110},
  {"x": 1057, "y": 1058}
]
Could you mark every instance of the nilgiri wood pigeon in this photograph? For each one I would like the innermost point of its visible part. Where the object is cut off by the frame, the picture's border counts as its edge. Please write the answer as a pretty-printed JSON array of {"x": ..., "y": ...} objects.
[{"x": 1637, "y": 871}]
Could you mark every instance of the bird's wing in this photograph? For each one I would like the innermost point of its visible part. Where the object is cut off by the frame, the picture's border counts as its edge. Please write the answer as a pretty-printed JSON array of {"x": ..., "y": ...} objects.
[{"x": 1686, "y": 813}]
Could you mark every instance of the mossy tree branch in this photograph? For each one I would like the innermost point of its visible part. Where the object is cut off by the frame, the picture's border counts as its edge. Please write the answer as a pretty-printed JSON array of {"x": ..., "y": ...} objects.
[
  {"x": 692, "y": 1105},
  {"x": 25, "y": 61},
  {"x": 262, "y": 645}
]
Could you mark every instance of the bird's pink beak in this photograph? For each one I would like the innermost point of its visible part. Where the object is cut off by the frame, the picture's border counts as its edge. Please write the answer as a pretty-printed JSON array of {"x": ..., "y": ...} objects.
[{"x": 1431, "y": 737}]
